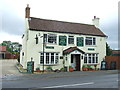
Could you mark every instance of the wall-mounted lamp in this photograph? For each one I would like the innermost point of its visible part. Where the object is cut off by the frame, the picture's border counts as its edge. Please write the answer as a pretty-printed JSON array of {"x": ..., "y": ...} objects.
[
  {"x": 82, "y": 56},
  {"x": 36, "y": 39}
]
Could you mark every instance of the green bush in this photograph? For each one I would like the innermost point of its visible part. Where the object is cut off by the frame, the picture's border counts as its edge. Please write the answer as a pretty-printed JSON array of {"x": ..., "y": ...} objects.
[
  {"x": 84, "y": 66},
  {"x": 49, "y": 68},
  {"x": 62, "y": 69}
]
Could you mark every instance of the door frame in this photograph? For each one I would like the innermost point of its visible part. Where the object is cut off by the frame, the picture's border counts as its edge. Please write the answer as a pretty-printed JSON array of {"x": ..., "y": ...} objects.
[{"x": 77, "y": 68}]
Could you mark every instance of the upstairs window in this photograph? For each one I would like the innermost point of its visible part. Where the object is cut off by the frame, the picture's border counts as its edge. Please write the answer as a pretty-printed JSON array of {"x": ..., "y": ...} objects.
[
  {"x": 80, "y": 41},
  {"x": 50, "y": 38},
  {"x": 71, "y": 40},
  {"x": 90, "y": 41}
]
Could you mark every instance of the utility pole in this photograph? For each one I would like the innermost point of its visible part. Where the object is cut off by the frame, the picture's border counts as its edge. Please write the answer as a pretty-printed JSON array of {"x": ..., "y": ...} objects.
[{"x": 43, "y": 51}]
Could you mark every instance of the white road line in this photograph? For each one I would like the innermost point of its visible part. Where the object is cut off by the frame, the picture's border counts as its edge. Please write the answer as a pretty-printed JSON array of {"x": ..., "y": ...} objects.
[{"x": 69, "y": 85}]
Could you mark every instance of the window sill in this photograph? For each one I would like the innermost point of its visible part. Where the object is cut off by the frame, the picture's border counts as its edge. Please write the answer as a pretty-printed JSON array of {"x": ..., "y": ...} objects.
[
  {"x": 91, "y": 63},
  {"x": 91, "y": 45},
  {"x": 51, "y": 43},
  {"x": 49, "y": 64}
]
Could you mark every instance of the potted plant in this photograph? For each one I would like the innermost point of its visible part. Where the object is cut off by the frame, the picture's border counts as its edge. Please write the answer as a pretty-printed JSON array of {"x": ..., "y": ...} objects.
[
  {"x": 37, "y": 69},
  {"x": 62, "y": 69},
  {"x": 49, "y": 69},
  {"x": 71, "y": 69},
  {"x": 91, "y": 68},
  {"x": 84, "y": 68}
]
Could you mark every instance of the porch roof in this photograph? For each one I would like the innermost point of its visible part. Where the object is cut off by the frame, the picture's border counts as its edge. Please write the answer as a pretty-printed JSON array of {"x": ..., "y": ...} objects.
[{"x": 71, "y": 49}]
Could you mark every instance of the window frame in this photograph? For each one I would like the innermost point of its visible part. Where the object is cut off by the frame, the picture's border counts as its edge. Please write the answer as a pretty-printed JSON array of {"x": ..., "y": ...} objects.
[
  {"x": 88, "y": 58},
  {"x": 50, "y": 38},
  {"x": 48, "y": 58},
  {"x": 90, "y": 41},
  {"x": 71, "y": 39}
]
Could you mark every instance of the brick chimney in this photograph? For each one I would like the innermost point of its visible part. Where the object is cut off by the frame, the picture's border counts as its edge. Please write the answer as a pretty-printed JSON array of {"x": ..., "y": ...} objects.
[
  {"x": 27, "y": 11},
  {"x": 96, "y": 21}
]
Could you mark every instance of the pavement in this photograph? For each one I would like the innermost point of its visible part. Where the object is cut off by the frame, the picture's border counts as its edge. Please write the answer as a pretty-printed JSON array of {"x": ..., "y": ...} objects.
[{"x": 8, "y": 68}]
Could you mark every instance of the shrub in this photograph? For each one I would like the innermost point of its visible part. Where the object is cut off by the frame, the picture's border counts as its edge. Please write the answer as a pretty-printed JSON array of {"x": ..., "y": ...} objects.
[
  {"x": 84, "y": 66},
  {"x": 49, "y": 68}
]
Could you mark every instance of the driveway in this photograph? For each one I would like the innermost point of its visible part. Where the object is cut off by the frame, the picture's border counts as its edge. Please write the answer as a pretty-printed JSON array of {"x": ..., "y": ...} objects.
[{"x": 8, "y": 68}]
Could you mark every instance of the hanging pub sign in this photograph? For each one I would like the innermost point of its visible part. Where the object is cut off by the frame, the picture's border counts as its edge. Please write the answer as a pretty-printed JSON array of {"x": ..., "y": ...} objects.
[{"x": 62, "y": 40}]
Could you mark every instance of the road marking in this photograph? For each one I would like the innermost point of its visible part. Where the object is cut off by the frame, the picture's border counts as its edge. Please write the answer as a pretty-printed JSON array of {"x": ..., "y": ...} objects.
[{"x": 69, "y": 85}]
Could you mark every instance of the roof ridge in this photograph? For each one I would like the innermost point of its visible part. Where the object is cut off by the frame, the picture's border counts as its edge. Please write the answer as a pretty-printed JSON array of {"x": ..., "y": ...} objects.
[{"x": 62, "y": 21}]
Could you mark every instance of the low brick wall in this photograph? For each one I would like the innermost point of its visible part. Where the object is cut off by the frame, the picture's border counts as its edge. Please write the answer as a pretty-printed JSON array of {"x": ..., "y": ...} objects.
[{"x": 110, "y": 59}]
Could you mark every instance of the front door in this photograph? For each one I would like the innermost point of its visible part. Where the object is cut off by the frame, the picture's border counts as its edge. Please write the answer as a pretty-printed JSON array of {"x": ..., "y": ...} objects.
[
  {"x": 77, "y": 56},
  {"x": 75, "y": 61}
]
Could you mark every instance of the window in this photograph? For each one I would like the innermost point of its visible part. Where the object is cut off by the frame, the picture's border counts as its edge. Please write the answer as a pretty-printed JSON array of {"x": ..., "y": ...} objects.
[
  {"x": 91, "y": 58},
  {"x": 71, "y": 40},
  {"x": 90, "y": 41},
  {"x": 49, "y": 58},
  {"x": 80, "y": 41},
  {"x": 50, "y": 38},
  {"x": 52, "y": 58},
  {"x": 41, "y": 58},
  {"x": 56, "y": 58},
  {"x": 62, "y": 40}
]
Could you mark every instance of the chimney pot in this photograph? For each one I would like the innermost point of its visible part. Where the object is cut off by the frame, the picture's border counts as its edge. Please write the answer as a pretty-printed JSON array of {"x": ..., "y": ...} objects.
[
  {"x": 27, "y": 11},
  {"x": 94, "y": 17}
]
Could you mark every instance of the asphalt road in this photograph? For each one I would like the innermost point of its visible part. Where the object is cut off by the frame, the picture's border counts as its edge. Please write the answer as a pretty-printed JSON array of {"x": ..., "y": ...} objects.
[{"x": 89, "y": 79}]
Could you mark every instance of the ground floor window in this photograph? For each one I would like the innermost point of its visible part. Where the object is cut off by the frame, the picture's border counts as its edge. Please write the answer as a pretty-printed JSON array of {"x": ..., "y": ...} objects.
[
  {"x": 49, "y": 58},
  {"x": 91, "y": 58}
]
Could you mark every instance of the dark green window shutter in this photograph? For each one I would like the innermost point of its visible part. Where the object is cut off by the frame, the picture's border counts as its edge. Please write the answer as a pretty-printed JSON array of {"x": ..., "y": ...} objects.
[
  {"x": 80, "y": 41},
  {"x": 62, "y": 40}
]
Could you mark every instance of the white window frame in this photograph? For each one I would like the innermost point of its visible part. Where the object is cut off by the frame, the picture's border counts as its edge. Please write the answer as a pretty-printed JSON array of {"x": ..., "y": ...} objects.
[
  {"x": 92, "y": 39},
  {"x": 70, "y": 37},
  {"x": 90, "y": 55},
  {"x": 55, "y": 54},
  {"x": 53, "y": 36}
]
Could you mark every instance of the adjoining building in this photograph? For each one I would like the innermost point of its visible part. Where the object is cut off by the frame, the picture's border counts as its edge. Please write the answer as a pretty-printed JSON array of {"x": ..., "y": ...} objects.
[
  {"x": 113, "y": 61},
  {"x": 4, "y": 54},
  {"x": 61, "y": 44}
]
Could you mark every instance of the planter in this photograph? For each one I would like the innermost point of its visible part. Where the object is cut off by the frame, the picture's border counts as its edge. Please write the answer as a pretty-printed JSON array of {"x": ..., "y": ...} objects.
[
  {"x": 71, "y": 69},
  {"x": 85, "y": 69},
  {"x": 37, "y": 70},
  {"x": 62, "y": 71}
]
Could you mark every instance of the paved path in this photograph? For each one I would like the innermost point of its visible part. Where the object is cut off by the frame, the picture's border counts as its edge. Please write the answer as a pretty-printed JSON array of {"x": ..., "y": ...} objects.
[{"x": 8, "y": 68}]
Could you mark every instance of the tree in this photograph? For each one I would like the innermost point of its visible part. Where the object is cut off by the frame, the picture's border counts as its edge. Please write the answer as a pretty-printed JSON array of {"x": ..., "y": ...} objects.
[
  {"x": 108, "y": 50},
  {"x": 12, "y": 47}
]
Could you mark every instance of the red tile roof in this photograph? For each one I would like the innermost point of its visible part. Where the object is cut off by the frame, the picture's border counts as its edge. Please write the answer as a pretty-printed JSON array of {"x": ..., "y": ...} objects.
[
  {"x": 71, "y": 49},
  {"x": 63, "y": 27}
]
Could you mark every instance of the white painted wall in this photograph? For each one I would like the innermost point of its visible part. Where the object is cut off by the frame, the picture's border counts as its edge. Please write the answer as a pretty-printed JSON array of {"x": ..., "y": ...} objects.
[{"x": 31, "y": 49}]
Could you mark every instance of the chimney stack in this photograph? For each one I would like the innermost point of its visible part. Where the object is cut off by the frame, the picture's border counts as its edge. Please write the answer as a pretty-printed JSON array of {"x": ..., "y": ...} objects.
[
  {"x": 27, "y": 11},
  {"x": 96, "y": 22}
]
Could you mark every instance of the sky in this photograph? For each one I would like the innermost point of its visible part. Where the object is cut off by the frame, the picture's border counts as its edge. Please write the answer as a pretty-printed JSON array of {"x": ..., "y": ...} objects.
[{"x": 12, "y": 16}]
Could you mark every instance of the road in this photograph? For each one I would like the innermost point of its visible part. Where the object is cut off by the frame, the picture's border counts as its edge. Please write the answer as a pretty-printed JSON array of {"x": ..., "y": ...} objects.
[{"x": 88, "y": 79}]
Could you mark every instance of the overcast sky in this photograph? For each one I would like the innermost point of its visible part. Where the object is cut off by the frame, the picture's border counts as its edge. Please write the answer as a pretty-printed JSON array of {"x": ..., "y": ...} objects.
[{"x": 12, "y": 15}]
